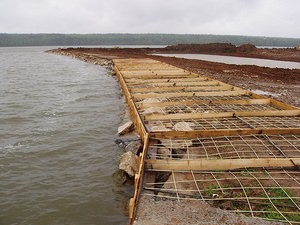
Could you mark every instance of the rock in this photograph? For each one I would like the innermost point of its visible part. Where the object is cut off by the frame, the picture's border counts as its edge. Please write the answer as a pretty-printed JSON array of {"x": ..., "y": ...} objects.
[
  {"x": 134, "y": 147},
  {"x": 153, "y": 110},
  {"x": 124, "y": 141},
  {"x": 150, "y": 100},
  {"x": 125, "y": 128},
  {"x": 163, "y": 153},
  {"x": 179, "y": 153},
  {"x": 120, "y": 177},
  {"x": 176, "y": 144},
  {"x": 183, "y": 126},
  {"x": 129, "y": 163},
  {"x": 159, "y": 127}
]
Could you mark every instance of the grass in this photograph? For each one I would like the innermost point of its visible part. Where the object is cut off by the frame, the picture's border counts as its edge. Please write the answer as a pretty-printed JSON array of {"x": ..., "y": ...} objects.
[
  {"x": 281, "y": 198},
  {"x": 210, "y": 189}
]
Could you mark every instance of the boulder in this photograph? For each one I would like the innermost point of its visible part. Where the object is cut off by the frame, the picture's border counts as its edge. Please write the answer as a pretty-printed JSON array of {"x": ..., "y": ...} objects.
[
  {"x": 129, "y": 163},
  {"x": 120, "y": 177},
  {"x": 183, "y": 126},
  {"x": 134, "y": 147},
  {"x": 163, "y": 153},
  {"x": 159, "y": 127},
  {"x": 176, "y": 144},
  {"x": 154, "y": 110},
  {"x": 125, "y": 128}
]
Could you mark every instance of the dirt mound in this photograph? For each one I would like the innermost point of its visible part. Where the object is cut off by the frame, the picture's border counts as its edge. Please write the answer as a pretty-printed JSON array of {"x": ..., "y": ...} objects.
[
  {"x": 212, "y": 48},
  {"x": 246, "y": 48}
]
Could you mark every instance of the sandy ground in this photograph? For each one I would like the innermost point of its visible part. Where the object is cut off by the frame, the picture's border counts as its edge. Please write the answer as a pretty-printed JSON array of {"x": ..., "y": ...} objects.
[{"x": 188, "y": 212}]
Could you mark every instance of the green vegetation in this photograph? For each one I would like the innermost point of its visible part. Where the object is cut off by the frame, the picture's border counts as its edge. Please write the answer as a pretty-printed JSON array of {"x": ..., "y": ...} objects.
[
  {"x": 210, "y": 189},
  {"x": 281, "y": 199},
  {"x": 138, "y": 39}
]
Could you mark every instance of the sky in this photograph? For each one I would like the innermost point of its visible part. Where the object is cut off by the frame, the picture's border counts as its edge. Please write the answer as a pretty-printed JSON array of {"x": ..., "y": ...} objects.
[{"x": 276, "y": 18}]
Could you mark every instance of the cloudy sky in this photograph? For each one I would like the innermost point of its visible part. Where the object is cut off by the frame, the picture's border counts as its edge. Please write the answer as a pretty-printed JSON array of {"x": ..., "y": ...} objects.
[{"x": 278, "y": 18}]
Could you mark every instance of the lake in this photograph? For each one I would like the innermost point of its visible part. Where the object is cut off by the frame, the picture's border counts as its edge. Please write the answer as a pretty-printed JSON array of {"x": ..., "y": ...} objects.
[{"x": 59, "y": 119}]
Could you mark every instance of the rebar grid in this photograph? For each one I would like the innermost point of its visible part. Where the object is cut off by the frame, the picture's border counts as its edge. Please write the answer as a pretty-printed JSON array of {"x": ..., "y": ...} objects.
[
  {"x": 207, "y": 108},
  {"x": 273, "y": 122},
  {"x": 227, "y": 147},
  {"x": 198, "y": 124},
  {"x": 183, "y": 89},
  {"x": 225, "y": 123},
  {"x": 196, "y": 98},
  {"x": 269, "y": 194}
]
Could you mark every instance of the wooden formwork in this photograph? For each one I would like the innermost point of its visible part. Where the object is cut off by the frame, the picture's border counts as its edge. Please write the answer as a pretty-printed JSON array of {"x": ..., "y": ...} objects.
[{"x": 193, "y": 125}]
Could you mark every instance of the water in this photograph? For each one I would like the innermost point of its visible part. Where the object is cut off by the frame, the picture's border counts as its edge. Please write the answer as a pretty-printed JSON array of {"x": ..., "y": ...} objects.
[
  {"x": 58, "y": 122},
  {"x": 238, "y": 60}
]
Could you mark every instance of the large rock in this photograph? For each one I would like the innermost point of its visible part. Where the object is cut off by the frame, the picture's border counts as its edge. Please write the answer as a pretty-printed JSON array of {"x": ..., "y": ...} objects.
[
  {"x": 134, "y": 147},
  {"x": 183, "y": 126},
  {"x": 159, "y": 127},
  {"x": 120, "y": 177},
  {"x": 154, "y": 110},
  {"x": 176, "y": 144},
  {"x": 163, "y": 153},
  {"x": 129, "y": 163},
  {"x": 125, "y": 128}
]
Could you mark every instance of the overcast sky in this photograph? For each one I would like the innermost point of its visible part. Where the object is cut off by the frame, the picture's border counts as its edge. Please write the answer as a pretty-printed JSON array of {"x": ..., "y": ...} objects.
[{"x": 278, "y": 18}]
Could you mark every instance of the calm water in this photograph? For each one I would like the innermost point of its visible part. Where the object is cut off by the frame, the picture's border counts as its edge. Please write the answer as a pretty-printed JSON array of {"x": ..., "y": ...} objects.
[
  {"x": 58, "y": 120},
  {"x": 238, "y": 60}
]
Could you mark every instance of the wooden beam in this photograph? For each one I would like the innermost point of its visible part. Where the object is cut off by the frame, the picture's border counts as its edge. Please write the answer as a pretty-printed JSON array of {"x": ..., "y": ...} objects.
[
  {"x": 177, "y": 84},
  {"x": 282, "y": 105},
  {"x": 215, "y": 102},
  {"x": 220, "y": 114},
  {"x": 222, "y": 132},
  {"x": 183, "y": 89},
  {"x": 184, "y": 116},
  {"x": 188, "y": 94},
  {"x": 160, "y": 76},
  {"x": 164, "y": 80},
  {"x": 219, "y": 164}
]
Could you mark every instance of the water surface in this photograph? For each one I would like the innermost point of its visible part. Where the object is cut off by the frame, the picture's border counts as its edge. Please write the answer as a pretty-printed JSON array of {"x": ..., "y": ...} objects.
[{"x": 58, "y": 120}]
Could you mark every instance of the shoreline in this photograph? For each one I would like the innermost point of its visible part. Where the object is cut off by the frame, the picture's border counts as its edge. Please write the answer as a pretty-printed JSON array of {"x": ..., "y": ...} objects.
[
  {"x": 249, "y": 77},
  {"x": 280, "y": 84}
]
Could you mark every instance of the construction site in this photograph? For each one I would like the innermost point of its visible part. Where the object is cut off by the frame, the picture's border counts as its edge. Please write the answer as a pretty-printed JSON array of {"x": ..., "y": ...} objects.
[
  {"x": 205, "y": 140},
  {"x": 208, "y": 141}
]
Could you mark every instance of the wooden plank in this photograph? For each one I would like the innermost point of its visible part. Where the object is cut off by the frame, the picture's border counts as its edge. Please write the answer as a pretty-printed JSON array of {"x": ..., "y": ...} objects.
[
  {"x": 173, "y": 84},
  {"x": 220, "y": 114},
  {"x": 186, "y": 116},
  {"x": 135, "y": 116},
  {"x": 221, "y": 102},
  {"x": 218, "y": 164},
  {"x": 188, "y": 94},
  {"x": 152, "y": 76},
  {"x": 139, "y": 179},
  {"x": 182, "y": 88},
  {"x": 164, "y": 80},
  {"x": 282, "y": 105},
  {"x": 268, "y": 113},
  {"x": 161, "y": 70},
  {"x": 222, "y": 132}
]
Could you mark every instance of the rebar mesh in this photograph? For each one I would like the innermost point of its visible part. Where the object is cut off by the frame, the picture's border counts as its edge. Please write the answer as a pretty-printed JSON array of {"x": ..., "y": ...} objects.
[
  {"x": 269, "y": 194},
  {"x": 196, "y": 98},
  {"x": 227, "y": 147},
  {"x": 226, "y": 123},
  {"x": 209, "y": 108}
]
